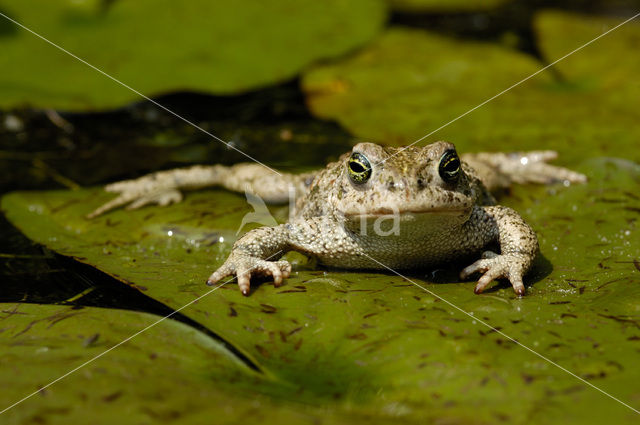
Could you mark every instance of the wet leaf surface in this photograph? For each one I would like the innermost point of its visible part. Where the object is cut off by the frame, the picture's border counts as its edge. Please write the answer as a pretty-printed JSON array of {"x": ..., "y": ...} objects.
[
  {"x": 193, "y": 45},
  {"x": 374, "y": 343}
]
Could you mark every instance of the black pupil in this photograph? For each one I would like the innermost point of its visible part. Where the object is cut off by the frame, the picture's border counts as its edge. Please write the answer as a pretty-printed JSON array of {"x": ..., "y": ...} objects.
[
  {"x": 357, "y": 167},
  {"x": 450, "y": 166}
]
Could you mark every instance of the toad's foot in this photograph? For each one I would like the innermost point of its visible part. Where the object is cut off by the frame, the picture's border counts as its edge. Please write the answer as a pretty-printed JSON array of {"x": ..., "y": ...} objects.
[
  {"x": 138, "y": 193},
  {"x": 244, "y": 266},
  {"x": 532, "y": 167},
  {"x": 494, "y": 266}
]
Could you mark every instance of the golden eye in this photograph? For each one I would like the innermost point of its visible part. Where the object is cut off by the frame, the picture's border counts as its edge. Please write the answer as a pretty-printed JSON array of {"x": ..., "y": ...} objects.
[
  {"x": 359, "y": 168},
  {"x": 449, "y": 167}
]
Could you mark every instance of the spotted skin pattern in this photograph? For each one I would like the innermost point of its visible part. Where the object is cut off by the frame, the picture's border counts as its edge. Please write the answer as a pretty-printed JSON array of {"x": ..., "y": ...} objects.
[{"x": 376, "y": 207}]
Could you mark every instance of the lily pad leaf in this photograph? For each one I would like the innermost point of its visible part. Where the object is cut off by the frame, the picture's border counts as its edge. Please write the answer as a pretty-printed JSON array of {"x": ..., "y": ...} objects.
[
  {"x": 162, "y": 46},
  {"x": 168, "y": 372},
  {"x": 591, "y": 69},
  {"x": 376, "y": 345}
]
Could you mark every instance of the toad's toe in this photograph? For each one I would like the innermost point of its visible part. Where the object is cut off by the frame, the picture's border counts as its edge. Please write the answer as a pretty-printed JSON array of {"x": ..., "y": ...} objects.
[{"x": 493, "y": 267}]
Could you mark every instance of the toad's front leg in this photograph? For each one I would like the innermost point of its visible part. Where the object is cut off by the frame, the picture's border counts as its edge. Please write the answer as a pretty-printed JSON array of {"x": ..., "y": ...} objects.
[
  {"x": 518, "y": 248},
  {"x": 256, "y": 254}
]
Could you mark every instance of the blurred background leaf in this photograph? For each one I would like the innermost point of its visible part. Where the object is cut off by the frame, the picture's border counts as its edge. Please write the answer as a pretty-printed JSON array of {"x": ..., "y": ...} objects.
[
  {"x": 410, "y": 82},
  {"x": 161, "y": 46}
]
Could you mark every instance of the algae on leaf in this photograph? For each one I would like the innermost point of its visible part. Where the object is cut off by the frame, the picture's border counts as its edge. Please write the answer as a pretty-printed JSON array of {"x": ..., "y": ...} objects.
[{"x": 160, "y": 46}]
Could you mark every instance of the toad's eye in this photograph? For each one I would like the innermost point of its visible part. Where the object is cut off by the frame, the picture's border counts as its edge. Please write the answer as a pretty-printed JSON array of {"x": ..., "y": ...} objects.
[
  {"x": 449, "y": 167},
  {"x": 359, "y": 168}
]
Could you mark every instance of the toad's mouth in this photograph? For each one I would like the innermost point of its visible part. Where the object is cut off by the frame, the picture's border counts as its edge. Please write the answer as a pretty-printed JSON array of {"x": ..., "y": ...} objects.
[
  {"x": 409, "y": 222},
  {"x": 411, "y": 212}
]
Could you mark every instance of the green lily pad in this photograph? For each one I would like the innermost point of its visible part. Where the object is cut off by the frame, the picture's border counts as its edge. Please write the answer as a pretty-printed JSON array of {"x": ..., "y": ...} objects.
[
  {"x": 445, "y": 5},
  {"x": 376, "y": 345},
  {"x": 168, "y": 373},
  {"x": 410, "y": 83},
  {"x": 162, "y": 46},
  {"x": 561, "y": 32}
]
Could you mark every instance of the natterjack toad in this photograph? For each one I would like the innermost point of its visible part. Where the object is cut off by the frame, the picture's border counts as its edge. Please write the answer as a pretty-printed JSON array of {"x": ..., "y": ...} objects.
[{"x": 376, "y": 207}]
